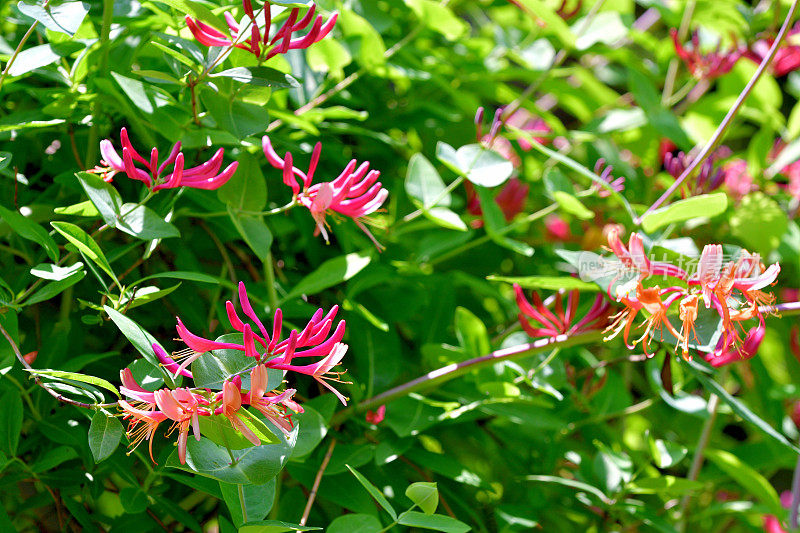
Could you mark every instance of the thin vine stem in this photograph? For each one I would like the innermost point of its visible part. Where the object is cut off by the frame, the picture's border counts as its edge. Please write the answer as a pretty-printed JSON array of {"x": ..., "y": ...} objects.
[{"x": 317, "y": 480}]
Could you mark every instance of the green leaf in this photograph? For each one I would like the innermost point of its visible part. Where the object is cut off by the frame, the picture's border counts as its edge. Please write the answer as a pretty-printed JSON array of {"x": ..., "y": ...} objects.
[
  {"x": 553, "y": 22},
  {"x": 140, "y": 338},
  {"x": 219, "y": 430},
  {"x": 605, "y": 27},
  {"x": 739, "y": 407},
  {"x": 81, "y": 209},
  {"x": 179, "y": 274},
  {"x": 355, "y": 523},
  {"x": 575, "y": 484},
  {"x": 572, "y": 205},
  {"x": 482, "y": 166},
  {"x": 704, "y": 205},
  {"x": 103, "y": 195},
  {"x": 52, "y": 458},
  {"x": 496, "y": 225},
  {"x": 144, "y": 223},
  {"x": 247, "y": 188},
  {"x": 255, "y": 233},
  {"x": 198, "y": 11},
  {"x": 33, "y": 58},
  {"x": 259, "y": 76},
  {"x": 64, "y": 17},
  {"x": 330, "y": 273},
  {"x": 445, "y": 218},
  {"x": 759, "y": 222},
  {"x": 425, "y": 495},
  {"x": 241, "y": 119},
  {"x": 313, "y": 428},
  {"x": 54, "y": 272},
  {"x": 256, "y": 465},
  {"x": 756, "y": 484},
  {"x": 363, "y": 38},
  {"x": 374, "y": 492},
  {"x": 273, "y": 526},
  {"x": 30, "y": 230},
  {"x": 258, "y": 500},
  {"x": 55, "y": 288},
  {"x": 471, "y": 333},
  {"x": 439, "y": 18},
  {"x": 82, "y": 378},
  {"x": 552, "y": 283},
  {"x": 436, "y": 522},
  {"x": 105, "y": 433},
  {"x": 664, "y": 485},
  {"x": 10, "y": 421},
  {"x": 85, "y": 244},
  {"x": 665, "y": 453},
  {"x": 145, "y": 295},
  {"x": 663, "y": 120},
  {"x": 424, "y": 185}
]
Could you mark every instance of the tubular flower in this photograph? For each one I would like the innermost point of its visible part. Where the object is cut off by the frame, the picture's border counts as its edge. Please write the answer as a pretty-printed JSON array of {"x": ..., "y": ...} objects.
[
  {"x": 274, "y": 406},
  {"x": 705, "y": 66},
  {"x": 560, "y": 321},
  {"x": 204, "y": 176},
  {"x": 268, "y": 349},
  {"x": 355, "y": 193},
  {"x": 634, "y": 257},
  {"x": 322, "y": 370},
  {"x": 256, "y": 26},
  {"x": 708, "y": 178},
  {"x": 231, "y": 403},
  {"x": 183, "y": 407},
  {"x": 723, "y": 355},
  {"x": 605, "y": 173}
]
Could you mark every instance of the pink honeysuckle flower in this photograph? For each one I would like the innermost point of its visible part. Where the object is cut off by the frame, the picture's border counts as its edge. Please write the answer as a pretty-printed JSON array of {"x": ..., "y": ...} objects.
[
  {"x": 705, "y": 66},
  {"x": 204, "y": 176},
  {"x": 634, "y": 257},
  {"x": 149, "y": 419},
  {"x": 184, "y": 408},
  {"x": 169, "y": 363},
  {"x": 376, "y": 417},
  {"x": 257, "y": 25},
  {"x": 355, "y": 193},
  {"x": 557, "y": 228},
  {"x": 605, "y": 173},
  {"x": 322, "y": 370},
  {"x": 231, "y": 403},
  {"x": 274, "y": 406},
  {"x": 559, "y": 321},
  {"x": 738, "y": 181},
  {"x": 520, "y": 119},
  {"x": 787, "y": 57},
  {"x": 725, "y": 353}
]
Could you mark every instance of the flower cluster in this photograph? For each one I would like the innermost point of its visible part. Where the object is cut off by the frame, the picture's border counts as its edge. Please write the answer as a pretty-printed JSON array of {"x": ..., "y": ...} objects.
[
  {"x": 709, "y": 178},
  {"x": 705, "y": 66},
  {"x": 606, "y": 174},
  {"x": 258, "y": 25},
  {"x": 355, "y": 193},
  {"x": 183, "y": 406},
  {"x": 733, "y": 290},
  {"x": 560, "y": 320},
  {"x": 204, "y": 176}
]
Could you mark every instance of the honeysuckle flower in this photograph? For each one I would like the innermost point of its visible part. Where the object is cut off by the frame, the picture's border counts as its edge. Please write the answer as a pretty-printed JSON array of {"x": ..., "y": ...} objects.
[
  {"x": 270, "y": 350},
  {"x": 559, "y": 321},
  {"x": 650, "y": 301},
  {"x": 322, "y": 370},
  {"x": 169, "y": 363},
  {"x": 787, "y": 57},
  {"x": 376, "y": 417},
  {"x": 634, "y": 257},
  {"x": 355, "y": 193},
  {"x": 258, "y": 25},
  {"x": 705, "y": 66},
  {"x": 204, "y": 176},
  {"x": 708, "y": 177},
  {"x": 143, "y": 424},
  {"x": 272, "y": 405},
  {"x": 511, "y": 200},
  {"x": 605, "y": 173},
  {"x": 726, "y": 353},
  {"x": 231, "y": 403},
  {"x": 183, "y": 407},
  {"x": 738, "y": 181},
  {"x": 526, "y": 121},
  {"x": 557, "y": 228}
]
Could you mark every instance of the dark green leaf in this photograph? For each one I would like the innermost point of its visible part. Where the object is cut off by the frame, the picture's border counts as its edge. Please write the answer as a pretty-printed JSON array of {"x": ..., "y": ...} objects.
[{"x": 105, "y": 433}]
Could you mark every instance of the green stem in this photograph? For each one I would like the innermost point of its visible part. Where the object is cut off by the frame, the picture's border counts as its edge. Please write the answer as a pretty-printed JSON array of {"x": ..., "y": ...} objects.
[
  {"x": 240, "y": 488},
  {"x": 25, "y": 396},
  {"x": 269, "y": 278},
  {"x": 97, "y": 105},
  {"x": 18, "y": 49},
  {"x": 452, "y": 371},
  {"x": 697, "y": 460},
  {"x": 672, "y": 70},
  {"x": 447, "y": 190}
]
